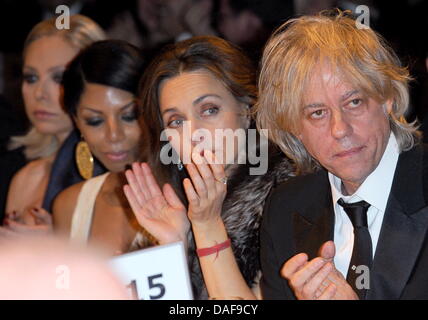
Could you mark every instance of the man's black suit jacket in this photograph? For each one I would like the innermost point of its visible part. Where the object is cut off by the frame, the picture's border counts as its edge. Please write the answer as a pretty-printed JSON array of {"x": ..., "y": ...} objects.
[{"x": 299, "y": 217}]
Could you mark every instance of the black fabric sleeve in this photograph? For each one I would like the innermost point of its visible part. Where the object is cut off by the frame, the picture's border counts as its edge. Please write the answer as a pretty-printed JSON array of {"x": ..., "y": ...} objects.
[{"x": 273, "y": 286}]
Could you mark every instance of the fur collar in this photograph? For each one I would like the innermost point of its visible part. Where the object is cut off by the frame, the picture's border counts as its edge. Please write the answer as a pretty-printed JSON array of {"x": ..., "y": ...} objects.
[{"x": 242, "y": 212}]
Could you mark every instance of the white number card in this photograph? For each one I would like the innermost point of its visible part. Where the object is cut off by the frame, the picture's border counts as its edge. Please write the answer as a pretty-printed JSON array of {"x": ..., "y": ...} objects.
[{"x": 155, "y": 273}]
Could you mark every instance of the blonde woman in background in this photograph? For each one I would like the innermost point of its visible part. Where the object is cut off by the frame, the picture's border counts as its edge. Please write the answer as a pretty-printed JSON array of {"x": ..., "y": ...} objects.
[{"x": 47, "y": 51}]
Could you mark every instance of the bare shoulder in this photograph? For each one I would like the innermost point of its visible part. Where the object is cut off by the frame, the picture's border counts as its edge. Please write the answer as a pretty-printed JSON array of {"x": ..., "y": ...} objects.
[
  {"x": 69, "y": 196},
  {"x": 28, "y": 184},
  {"x": 63, "y": 207},
  {"x": 35, "y": 169}
]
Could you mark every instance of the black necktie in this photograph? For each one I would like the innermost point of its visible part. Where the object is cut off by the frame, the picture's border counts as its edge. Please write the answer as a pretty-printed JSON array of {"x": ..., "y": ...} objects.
[{"x": 362, "y": 251}]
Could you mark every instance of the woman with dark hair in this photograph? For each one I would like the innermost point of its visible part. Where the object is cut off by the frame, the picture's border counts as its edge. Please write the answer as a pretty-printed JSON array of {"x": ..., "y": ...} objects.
[
  {"x": 192, "y": 91},
  {"x": 99, "y": 93}
]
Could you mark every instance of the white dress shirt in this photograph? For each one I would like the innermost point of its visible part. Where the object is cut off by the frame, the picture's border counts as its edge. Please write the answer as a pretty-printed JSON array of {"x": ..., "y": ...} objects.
[{"x": 374, "y": 190}]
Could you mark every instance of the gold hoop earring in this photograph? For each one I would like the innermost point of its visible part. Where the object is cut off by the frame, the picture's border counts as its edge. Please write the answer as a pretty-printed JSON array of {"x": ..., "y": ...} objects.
[{"x": 84, "y": 160}]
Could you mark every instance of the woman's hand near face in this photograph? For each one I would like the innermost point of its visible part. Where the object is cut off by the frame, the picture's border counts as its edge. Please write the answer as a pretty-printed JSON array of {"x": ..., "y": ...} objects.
[
  {"x": 160, "y": 212},
  {"x": 205, "y": 190}
]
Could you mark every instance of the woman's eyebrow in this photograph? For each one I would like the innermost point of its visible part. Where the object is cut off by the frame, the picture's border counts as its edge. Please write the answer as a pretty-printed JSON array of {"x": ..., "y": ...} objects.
[
  {"x": 197, "y": 100},
  {"x": 169, "y": 110},
  {"x": 99, "y": 111},
  {"x": 90, "y": 109},
  {"x": 29, "y": 68},
  {"x": 130, "y": 104},
  {"x": 57, "y": 68}
]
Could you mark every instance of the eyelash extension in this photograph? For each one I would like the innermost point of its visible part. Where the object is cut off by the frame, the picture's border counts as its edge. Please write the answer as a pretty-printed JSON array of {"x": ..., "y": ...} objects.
[
  {"x": 93, "y": 123},
  {"x": 130, "y": 117}
]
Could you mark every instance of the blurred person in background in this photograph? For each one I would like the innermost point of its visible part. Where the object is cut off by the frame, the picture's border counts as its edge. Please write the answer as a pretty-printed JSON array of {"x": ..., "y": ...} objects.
[
  {"x": 47, "y": 51},
  {"x": 249, "y": 23},
  {"x": 46, "y": 269},
  {"x": 17, "y": 18},
  {"x": 150, "y": 24}
]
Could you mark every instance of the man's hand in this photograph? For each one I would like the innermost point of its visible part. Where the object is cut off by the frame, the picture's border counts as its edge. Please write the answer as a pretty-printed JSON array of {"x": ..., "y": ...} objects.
[
  {"x": 318, "y": 278},
  {"x": 307, "y": 277},
  {"x": 344, "y": 290}
]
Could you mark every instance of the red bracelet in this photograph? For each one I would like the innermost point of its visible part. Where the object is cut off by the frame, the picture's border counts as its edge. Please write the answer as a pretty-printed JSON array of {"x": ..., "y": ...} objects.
[{"x": 214, "y": 249}]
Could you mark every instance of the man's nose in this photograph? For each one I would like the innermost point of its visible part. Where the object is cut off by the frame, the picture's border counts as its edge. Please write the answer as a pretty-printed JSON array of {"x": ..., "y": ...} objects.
[{"x": 340, "y": 125}]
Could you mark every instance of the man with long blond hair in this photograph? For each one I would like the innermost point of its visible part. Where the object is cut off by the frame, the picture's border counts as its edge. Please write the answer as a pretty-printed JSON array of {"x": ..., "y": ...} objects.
[{"x": 353, "y": 224}]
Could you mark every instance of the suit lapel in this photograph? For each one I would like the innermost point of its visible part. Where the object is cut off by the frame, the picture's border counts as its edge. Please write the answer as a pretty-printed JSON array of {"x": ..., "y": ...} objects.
[
  {"x": 399, "y": 244},
  {"x": 403, "y": 229},
  {"x": 314, "y": 224}
]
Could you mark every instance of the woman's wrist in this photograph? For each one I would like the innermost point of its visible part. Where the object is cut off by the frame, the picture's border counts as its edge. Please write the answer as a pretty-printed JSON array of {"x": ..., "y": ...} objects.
[
  {"x": 210, "y": 233},
  {"x": 203, "y": 252},
  {"x": 182, "y": 236}
]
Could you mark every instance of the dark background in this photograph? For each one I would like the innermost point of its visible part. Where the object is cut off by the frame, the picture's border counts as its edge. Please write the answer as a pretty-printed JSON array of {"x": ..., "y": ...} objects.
[{"x": 403, "y": 23}]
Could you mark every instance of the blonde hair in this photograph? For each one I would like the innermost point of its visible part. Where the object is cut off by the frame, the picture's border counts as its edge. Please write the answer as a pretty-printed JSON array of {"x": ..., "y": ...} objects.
[
  {"x": 297, "y": 47},
  {"x": 83, "y": 31}
]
